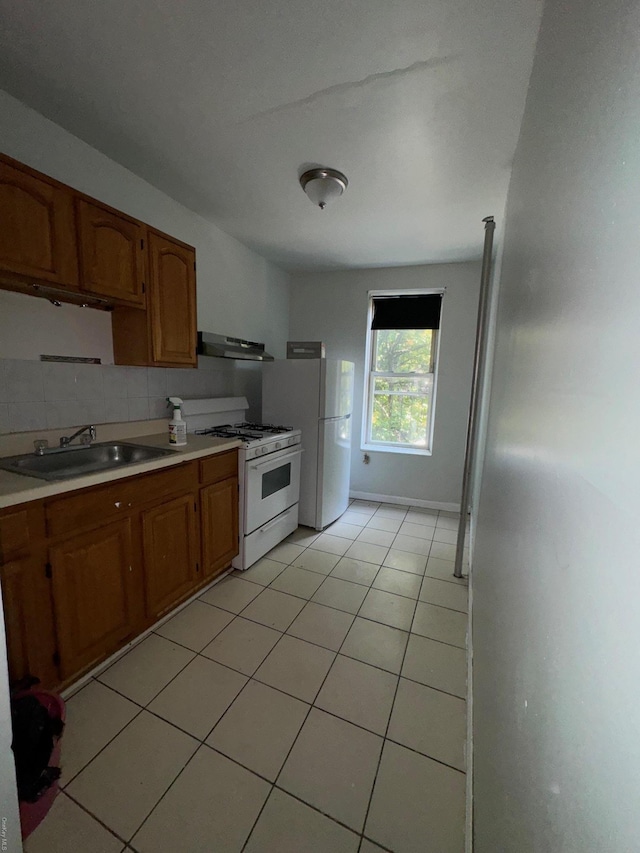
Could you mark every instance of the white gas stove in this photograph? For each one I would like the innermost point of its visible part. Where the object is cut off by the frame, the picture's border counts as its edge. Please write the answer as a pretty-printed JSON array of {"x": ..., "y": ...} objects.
[
  {"x": 258, "y": 439},
  {"x": 268, "y": 473}
]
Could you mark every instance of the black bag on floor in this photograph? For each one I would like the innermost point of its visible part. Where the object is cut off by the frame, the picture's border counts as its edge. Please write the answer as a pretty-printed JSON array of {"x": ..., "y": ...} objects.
[{"x": 33, "y": 739}]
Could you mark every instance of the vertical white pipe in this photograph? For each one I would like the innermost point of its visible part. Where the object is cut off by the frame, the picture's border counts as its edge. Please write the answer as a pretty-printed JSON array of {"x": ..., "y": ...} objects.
[{"x": 479, "y": 355}]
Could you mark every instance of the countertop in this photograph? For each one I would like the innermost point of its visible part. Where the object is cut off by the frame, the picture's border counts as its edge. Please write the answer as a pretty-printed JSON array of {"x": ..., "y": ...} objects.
[{"x": 17, "y": 488}]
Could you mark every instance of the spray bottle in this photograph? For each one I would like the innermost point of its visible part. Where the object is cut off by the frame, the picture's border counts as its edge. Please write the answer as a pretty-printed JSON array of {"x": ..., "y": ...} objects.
[{"x": 177, "y": 427}]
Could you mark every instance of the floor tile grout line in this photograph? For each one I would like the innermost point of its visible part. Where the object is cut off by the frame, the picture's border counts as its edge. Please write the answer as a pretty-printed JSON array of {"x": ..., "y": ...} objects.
[
  {"x": 93, "y": 816},
  {"x": 249, "y": 679},
  {"x": 295, "y": 740},
  {"x": 425, "y": 755},
  {"x": 168, "y": 788},
  {"x": 364, "y": 838},
  {"x": 311, "y": 706},
  {"x": 173, "y": 678},
  {"x": 395, "y": 695},
  {"x": 259, "y": 815},
  {"x": 318, "y": 810},
  {"x": 129, "y": 840},
  {"x": 443, "y": 642},
  {"x": 437, "y": 689},
  {"x": 109, "y": 742},
  {"x": 273, "y": 784}
]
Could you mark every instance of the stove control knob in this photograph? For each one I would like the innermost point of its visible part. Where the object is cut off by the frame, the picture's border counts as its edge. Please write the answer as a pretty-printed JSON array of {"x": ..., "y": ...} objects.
[
  {"x": 263, "y": 450},
  {"x": 278, "y": 445}
]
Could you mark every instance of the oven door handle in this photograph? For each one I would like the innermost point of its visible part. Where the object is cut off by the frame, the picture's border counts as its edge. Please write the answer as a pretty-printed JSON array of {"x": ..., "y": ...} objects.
[{"x": 277, "y": 459}]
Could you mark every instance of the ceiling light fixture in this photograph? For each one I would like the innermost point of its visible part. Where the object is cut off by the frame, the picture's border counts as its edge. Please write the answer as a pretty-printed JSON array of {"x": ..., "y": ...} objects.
[{"x": 323, "y": 185}]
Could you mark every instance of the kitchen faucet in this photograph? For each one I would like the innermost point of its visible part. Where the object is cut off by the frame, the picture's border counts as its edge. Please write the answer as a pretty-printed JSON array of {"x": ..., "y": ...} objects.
[{"x": 66, "y": 440}]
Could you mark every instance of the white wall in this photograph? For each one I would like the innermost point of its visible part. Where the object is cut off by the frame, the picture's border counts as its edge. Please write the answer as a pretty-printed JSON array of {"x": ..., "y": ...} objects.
[
  {"x": 239, "y": 293},
  {"x": 332, "y": 307},
  {"x": 556, "y": 570}
]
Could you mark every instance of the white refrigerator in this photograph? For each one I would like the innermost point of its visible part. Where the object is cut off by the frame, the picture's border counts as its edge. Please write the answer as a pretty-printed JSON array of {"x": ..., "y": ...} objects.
[{"x": 316, "y": 396}]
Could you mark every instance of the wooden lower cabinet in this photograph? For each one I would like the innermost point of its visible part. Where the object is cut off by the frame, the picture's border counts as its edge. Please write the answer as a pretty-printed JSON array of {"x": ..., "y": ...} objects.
[
  {"x": 92, "y": 585},
  {"x": 28, "y": 617},
  {"x": 86, "y": 572},
  {"x": 169, "y": 542},
  {"x": 219, "y": 526}
]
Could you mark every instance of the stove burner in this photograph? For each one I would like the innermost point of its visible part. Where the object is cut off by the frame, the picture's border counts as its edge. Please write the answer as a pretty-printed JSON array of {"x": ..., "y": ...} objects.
[
  {"x": 247, "y": 432},
  {"x": 264, "y": 427},
  {"x": 226, "y": 432}
]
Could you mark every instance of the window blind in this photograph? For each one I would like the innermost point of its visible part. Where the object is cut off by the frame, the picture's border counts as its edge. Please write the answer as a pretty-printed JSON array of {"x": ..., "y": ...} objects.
[{"x": 407, "y": 312}]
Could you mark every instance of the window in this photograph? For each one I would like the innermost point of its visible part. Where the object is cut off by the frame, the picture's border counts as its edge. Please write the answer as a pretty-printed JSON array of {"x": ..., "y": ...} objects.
[{"x": 402, "y": 346}]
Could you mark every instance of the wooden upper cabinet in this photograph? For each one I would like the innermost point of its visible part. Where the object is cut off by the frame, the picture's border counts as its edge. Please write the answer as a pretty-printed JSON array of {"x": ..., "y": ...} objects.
[
  {"x": 172, "y": 289},
  {"x": 112, "y": 253},
  {"x": 93, "y": 582},
  {"x": 52, "y": 235},
  {"x": 37, "y": 229}
]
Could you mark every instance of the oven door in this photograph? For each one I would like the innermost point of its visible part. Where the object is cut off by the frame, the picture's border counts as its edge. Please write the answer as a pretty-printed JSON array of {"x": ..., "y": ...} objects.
[{"x": 272, "y": 484}]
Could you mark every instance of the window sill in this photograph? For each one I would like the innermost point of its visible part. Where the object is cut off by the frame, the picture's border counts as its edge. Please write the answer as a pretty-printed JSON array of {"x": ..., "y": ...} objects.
[{"x": 407, "y": 451}]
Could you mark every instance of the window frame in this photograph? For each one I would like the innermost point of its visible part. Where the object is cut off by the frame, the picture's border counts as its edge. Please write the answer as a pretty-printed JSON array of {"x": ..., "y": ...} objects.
[{"x": 370, "y": 375}]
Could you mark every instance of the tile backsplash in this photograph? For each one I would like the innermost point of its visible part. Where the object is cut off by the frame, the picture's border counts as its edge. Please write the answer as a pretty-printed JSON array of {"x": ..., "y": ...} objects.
[{"x": 38, "y": 395}]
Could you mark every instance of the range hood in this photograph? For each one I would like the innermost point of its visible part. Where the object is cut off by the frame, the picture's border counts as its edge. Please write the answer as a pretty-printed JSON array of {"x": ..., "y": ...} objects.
[{"x": 223, "y": 347}]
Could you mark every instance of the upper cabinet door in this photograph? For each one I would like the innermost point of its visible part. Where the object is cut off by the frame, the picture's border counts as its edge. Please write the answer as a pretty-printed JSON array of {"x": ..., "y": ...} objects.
[
  {"x": 37, "y": 232},
  {"x": 111, "y": 254},
  {"x": 172, "y": 301}
]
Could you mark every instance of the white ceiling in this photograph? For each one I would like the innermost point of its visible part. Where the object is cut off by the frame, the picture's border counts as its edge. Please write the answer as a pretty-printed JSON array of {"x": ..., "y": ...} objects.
[{"x": 223, "y": 103}]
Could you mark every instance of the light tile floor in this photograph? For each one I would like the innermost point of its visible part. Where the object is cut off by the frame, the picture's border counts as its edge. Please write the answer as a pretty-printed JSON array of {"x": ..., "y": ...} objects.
[{"x": 313, "y": 704}]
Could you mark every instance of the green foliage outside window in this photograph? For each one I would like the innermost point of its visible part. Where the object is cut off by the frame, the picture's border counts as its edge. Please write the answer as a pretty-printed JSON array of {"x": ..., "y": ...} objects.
[{"x": 402, "y": 386}]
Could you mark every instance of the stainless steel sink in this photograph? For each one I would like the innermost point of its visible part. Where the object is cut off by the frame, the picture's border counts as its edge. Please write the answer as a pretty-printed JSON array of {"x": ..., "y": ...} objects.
[{"x": 65, "y": 462}]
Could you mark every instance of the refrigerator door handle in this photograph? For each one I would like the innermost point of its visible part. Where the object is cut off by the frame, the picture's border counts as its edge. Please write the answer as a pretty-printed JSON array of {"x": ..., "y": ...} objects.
[{"x": 337, "y": 418}]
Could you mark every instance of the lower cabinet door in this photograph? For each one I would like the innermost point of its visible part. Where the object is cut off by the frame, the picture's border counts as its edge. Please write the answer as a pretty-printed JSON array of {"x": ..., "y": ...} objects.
[
  {"x": 92, "y": 577},
  {"x": 169, "y": 537},
  {"x": 219, "y": 514},
  {"x": 28, "y": 619}
]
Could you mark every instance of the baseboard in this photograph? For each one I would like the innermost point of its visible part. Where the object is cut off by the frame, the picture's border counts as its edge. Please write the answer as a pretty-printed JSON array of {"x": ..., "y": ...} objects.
[{"x": 394, "y": 499}]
